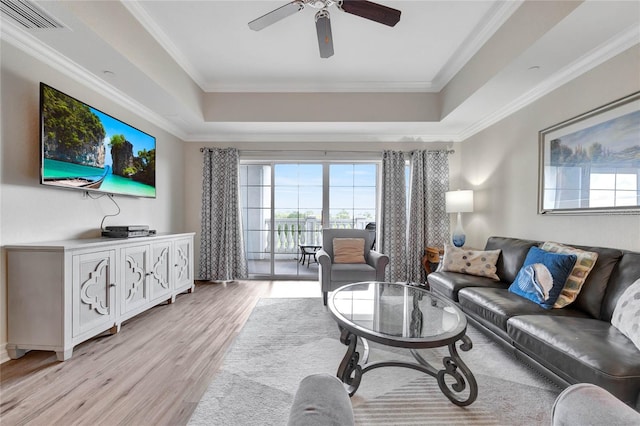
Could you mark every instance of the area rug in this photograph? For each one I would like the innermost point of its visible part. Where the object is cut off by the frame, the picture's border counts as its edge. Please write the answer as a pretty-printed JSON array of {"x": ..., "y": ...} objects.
[{"x": 285, "y": 340}]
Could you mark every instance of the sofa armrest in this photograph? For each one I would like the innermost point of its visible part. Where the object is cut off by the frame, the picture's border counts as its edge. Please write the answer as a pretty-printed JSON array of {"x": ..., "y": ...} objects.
[
  {"x": 323, "y": 257},
  {"x": 324, "y": 260},
  {"x": 588, "y": 404},
  {"x": 321, "y": 400},
  {"x": 379, "y": 261}
]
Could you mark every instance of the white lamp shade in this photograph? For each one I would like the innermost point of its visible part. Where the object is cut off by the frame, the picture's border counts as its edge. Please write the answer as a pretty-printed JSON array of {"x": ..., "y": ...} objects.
[{"x": 459, "y": 201}]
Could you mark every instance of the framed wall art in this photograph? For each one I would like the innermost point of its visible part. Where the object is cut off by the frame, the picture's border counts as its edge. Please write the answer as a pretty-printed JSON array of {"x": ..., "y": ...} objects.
[{"x": 591, "y": 163}]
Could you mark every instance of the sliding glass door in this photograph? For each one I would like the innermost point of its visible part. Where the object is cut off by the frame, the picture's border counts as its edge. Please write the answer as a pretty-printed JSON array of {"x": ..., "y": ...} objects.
[
  {"x": 298, "y": 218},
  {"x": 285, "y": 205}
]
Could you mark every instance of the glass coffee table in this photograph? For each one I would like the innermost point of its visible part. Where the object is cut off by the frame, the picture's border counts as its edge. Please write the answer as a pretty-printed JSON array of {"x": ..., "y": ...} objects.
[{"x": 402, "y": 316}]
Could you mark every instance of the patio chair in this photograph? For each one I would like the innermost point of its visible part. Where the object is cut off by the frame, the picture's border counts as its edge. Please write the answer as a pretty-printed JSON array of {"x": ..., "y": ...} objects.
[{"x": 351, "y": 264}]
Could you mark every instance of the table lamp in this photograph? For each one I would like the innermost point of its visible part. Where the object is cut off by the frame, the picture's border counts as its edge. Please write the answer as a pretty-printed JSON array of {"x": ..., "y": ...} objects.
[{"x": 459, "y": 202}]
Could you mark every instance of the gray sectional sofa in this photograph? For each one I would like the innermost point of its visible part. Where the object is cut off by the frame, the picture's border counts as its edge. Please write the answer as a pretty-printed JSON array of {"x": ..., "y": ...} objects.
[{"x": 574, "y": 344}]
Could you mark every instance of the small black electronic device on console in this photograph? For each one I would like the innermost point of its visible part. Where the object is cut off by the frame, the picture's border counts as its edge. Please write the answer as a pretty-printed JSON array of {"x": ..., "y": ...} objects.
[{"x": 127, "y": 231}]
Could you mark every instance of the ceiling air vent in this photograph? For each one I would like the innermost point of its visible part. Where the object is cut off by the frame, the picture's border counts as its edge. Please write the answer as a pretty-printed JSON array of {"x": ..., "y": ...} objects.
[{"x": 28, "y": 14}]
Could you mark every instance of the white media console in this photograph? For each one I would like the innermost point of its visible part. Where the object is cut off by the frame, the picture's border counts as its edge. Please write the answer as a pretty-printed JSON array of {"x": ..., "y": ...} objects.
[{"x": 65, "y": 292}]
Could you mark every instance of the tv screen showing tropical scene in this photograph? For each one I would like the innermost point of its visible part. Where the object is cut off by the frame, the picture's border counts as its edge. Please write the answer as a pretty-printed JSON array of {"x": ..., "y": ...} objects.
[{"x": 87, "y": 149}]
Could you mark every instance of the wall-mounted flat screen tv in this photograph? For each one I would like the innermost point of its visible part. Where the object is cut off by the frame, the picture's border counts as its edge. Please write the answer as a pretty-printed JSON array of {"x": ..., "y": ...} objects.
[{"x": 84, "y": 148}]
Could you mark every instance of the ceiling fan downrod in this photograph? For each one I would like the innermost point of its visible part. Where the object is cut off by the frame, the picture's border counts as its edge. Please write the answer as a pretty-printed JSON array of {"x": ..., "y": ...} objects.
[{"x": 320, "y": 4}]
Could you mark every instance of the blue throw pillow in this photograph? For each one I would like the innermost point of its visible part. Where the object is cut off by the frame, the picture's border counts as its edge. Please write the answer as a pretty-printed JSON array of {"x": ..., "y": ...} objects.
[{"x": 542, "y": 276}]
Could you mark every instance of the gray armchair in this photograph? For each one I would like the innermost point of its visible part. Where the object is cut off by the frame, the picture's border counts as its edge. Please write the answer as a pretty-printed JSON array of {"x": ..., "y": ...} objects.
[
  {"x": 335, "y": 275},
  {"x": 584, "y": 404}
]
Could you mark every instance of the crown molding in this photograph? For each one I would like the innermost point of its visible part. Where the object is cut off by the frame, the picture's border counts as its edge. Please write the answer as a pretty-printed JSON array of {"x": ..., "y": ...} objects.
[
  {"x": 614, "y": 46},
  {"x": 333, "y": 87},
  {"x": 318, "y": 137},
  {"x": 32, "y": 46},
  {"x": 142, "y": 16},
  {"x": 494, "y": 19},
  {"x": 139, "y": 13}
]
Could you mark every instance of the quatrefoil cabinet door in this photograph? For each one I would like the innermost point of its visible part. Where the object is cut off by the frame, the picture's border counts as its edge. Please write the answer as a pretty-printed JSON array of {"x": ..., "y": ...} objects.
[
  {"x": 93, "y": 283},
  {"x": 183, "y": 264},
  {"x": 160, "y": 278},
  {"x": 135, "y": 293}
]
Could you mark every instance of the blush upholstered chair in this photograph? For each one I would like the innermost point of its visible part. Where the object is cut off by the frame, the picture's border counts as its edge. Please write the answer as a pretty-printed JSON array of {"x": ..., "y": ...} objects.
[{"x": 334, "y": 275}]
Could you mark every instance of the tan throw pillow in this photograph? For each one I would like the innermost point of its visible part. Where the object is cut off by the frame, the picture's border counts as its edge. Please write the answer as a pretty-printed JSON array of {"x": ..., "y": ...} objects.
[
  {"x": 584, "y": 264},
  {"x": 472, "y": 262},
  {"x": 348, "y": 250}
]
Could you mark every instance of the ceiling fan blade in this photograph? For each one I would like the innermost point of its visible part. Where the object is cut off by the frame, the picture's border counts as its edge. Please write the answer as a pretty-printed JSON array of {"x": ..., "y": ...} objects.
[
  {"x": 276, "y": 15},
  {"x": 372, "y": 11},
  {"x": 325, "y": 39}
]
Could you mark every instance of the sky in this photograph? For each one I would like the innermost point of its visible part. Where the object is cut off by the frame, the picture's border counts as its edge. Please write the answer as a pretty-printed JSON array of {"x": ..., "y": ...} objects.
[
  {"x": 112, "y": 126},
  {"x": 616, "y": 134},
  {"x": 298, "y": 187}
]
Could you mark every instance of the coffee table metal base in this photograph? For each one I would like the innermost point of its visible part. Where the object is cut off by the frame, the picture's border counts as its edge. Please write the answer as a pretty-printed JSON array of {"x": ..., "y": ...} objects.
[{"x": 350, "y": 370}]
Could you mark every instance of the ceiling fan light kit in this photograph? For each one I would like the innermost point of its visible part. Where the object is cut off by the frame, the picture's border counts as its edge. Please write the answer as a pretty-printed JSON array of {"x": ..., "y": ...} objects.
[{"x": 364, "y": 9}]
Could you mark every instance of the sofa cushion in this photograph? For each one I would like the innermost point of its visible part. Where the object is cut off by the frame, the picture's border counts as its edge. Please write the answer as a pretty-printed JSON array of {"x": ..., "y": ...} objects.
[
  {"x": 497, "y": 305},
  {"x": 626, "y": 271},
  {"x": 471, "y": 262},
  {"x": 594, "y": 288},
  {"x": 580, "y": 350},
  {"x": 585, "y": 262},
  {"x": 449, "y": 283},
  {"x": 514, "y": 251},
  {"x": 543, "y": 276},
  {"x": 328, "y": 234},
  {"x": 352, "y": 272},
  {"x": 626, "y": 316}
]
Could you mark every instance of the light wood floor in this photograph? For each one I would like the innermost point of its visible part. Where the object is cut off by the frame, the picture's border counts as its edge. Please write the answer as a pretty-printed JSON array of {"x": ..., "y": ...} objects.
[{"x": 153, "y": 372}]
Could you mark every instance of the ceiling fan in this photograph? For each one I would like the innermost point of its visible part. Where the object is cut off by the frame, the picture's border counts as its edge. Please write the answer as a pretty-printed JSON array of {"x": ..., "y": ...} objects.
[{"x": 365, "y": 9}]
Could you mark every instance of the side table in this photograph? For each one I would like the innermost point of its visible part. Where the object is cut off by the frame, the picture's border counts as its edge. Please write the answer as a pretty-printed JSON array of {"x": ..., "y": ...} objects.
[
  {"x": 307, "y": 252},
  {"x": 431, "y": 258}
]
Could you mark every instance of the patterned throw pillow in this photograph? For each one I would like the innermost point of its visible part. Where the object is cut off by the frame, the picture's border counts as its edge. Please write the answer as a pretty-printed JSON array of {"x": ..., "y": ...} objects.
[
  {"x": 542, "y": 276},
  {"x": 472, "y": 262},
  {"x": 626, "y": 315},
  {"x": 348, "y": 250},
  {"x": 584, "y": 264}
]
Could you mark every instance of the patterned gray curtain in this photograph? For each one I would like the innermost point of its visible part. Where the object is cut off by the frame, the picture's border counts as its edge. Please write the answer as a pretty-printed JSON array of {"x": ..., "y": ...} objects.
[
  {"x": 394, "y": 215},
  {"x": 222, "y": 256},
  {"x": 428, "y": 220}
]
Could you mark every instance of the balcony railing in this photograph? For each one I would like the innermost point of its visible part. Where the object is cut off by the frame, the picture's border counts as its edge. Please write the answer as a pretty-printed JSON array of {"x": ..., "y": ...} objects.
[{"x": 289, "y": 234}]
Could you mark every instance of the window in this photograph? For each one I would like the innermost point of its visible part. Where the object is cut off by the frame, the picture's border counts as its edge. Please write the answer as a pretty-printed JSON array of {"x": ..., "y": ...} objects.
[
  {"x": 284, "y": 205},
  {"x": 613, "y": 188},
  {"x": 352, "y": 195}
]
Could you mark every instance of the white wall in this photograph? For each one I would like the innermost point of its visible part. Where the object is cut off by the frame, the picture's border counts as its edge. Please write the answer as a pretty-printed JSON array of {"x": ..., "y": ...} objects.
[
  {"x": 31, "y": 212},
  {"x": 501, "y": 165}
]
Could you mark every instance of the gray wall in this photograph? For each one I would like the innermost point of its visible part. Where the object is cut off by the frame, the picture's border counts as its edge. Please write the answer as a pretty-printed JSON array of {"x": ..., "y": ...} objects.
[{"x": 501, "y": 165}]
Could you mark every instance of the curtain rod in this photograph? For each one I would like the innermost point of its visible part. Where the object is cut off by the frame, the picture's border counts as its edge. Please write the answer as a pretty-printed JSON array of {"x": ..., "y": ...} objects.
[{"x": 448, "y": 151}]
